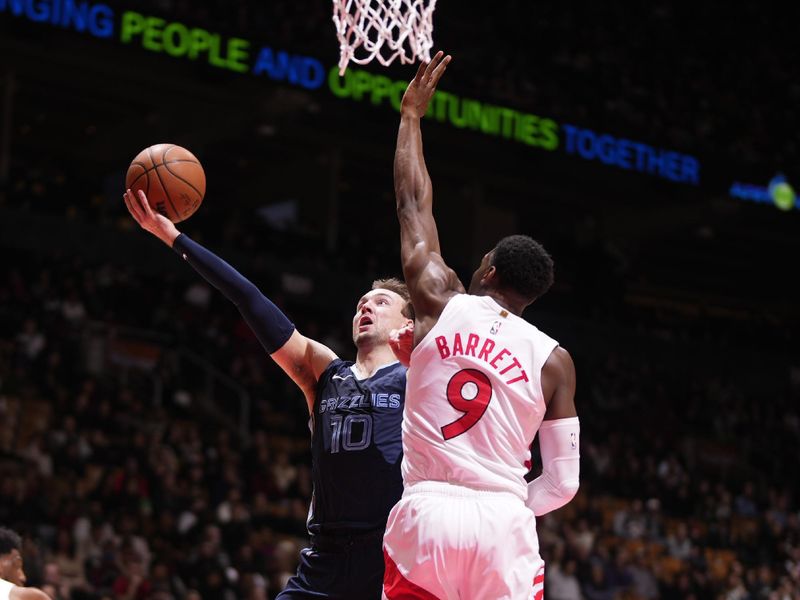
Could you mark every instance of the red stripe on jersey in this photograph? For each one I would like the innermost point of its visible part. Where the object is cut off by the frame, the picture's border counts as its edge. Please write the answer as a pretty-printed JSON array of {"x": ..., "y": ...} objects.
[{"x": 397, "y": 587}]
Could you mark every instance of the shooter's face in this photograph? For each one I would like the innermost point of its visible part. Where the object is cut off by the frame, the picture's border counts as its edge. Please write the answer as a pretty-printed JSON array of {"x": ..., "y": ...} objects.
[
  {"x": 11, "y": 568},
  {"x": 377, "y": 313}
]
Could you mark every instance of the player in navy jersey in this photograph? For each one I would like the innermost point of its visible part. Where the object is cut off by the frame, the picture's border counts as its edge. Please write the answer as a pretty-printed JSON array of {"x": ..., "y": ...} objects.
[{"x": 356, "y": 411}]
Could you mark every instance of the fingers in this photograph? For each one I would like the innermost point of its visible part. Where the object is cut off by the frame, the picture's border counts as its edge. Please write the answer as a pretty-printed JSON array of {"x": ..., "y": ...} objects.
[
  {"x": 132, "y": 206},
  {"x": 421, "y": 72},
  {"x": 138, "y": 206},
  {"x": 431, "y": 67},
  {"x": 145, "y": 205},
  {"x": 440, "y": 69},
  {"x": 426, "y": 69}
]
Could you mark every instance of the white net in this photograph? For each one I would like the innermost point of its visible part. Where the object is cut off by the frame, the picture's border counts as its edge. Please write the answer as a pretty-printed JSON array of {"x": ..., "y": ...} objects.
[{"x": 385, "y": 30}]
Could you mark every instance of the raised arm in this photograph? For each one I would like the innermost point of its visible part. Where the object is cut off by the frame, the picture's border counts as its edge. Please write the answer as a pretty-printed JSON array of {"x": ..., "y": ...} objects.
[
  {"x": 303, "y": 359},
  {"x": 430, "y": 281}
]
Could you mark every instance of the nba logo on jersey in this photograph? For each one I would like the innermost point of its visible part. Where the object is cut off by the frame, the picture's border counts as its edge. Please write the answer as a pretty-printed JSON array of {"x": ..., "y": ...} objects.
[
  {"x": 496, "y": 325},
  {"x": 573, "y": 440}
]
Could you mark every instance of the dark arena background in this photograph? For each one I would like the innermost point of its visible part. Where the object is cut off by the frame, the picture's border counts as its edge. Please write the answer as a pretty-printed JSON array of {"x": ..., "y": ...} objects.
[{"x": 651, "y": 148}]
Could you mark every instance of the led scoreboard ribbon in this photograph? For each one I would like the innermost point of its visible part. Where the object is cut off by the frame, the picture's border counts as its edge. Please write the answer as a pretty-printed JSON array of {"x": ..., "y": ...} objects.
[{"x": 239, "y": 55}]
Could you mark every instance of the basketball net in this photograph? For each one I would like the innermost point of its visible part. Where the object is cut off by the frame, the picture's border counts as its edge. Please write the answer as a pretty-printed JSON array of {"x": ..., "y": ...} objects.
[{"x": 383, "y": 29}]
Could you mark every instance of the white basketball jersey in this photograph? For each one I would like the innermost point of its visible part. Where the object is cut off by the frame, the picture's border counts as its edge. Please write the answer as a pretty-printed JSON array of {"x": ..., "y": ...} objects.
[
  {"x": 5, "y": 589},
  {"x": 474, "y": 398}
]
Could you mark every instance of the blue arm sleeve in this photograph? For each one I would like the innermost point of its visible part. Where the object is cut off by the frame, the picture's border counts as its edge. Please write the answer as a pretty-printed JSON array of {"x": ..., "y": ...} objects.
[{"x": 270, "y": 325}]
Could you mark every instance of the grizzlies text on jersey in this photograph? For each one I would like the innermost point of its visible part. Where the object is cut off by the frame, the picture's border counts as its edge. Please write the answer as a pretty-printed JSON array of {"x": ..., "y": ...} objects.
[{"x": 356, "y": 448}]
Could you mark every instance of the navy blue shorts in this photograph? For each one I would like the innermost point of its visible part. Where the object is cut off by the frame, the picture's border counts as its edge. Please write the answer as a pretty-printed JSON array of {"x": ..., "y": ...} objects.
[{"x": 340, "y": 568}]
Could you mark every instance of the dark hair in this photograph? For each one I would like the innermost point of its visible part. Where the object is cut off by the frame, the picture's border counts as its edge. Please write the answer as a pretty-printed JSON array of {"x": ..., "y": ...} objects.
[
  {"x": 9, "y": 540},
  {"x": 393, "y": 284},
  {"x": 523, "y": 266}
]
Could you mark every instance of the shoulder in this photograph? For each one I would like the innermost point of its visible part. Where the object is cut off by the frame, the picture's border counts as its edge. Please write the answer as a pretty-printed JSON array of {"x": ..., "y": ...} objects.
[
  {"x": 559, "y": 364},
  {"x": 432, "y": 287},
  {"x": 460, "y": 306},
  {"x": 447, "y": 304},
  {"x": 558, "y": 385},
  {"x": 20, "y": 593},
  {"x": 336, "y": 367},
  {"x": 394, "y": 372},
  {"x": 558, "y": 374},
  {"x": 389, "y": 378},
  {"x": 390, "y": 372}
]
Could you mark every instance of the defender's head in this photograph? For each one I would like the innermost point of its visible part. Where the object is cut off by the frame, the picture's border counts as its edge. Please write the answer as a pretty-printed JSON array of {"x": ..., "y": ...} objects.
[
  {"x": 385, "y": 307},
  {"x": 518, "y": 266},
  {"x": 10, "y": 557}
]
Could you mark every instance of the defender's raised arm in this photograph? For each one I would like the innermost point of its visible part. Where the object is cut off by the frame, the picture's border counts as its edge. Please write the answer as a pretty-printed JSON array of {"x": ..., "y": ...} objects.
[{"x": 430, "y": 281}]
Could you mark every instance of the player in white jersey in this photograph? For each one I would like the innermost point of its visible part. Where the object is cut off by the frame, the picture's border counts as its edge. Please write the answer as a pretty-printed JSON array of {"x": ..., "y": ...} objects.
[
  {"x": 482, "y": 382},
  {"x": 12, "y": 574}
]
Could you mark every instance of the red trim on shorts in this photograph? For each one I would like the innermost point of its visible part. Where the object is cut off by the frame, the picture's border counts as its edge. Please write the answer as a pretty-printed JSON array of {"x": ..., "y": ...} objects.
[
  {"x": 397, "y": 587},
  {"x": 539, "y": 580}
]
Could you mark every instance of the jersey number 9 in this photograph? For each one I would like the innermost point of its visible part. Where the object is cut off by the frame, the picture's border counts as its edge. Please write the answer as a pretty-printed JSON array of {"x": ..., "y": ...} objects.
[{"x": 468, "y": 391}]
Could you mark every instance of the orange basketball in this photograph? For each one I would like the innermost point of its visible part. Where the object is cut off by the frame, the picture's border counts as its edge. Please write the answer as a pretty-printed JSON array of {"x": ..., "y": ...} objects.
[{"x": 172, "y": 179}]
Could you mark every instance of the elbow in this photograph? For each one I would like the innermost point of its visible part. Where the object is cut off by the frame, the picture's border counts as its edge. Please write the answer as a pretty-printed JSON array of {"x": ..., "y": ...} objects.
[
  {"x": 413, "y": 191},
  {"x": 246, "y": 296},
  {"x": 569, "y": 489},
  {"x": 409, "y": 263},
  {"x": 564, "y": 490},
  {"x": 405, "y": 198},
  {"x": 546, "y": 494},
  {"x": 407, "y": 208}
]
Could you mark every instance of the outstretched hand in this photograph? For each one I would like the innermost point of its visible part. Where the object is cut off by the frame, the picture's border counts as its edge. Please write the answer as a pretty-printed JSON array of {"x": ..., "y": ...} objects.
[
  {"x": 401, "y": 341},
  {"x": 420, "y": 91},
  {"x": 148, "y": 219}
]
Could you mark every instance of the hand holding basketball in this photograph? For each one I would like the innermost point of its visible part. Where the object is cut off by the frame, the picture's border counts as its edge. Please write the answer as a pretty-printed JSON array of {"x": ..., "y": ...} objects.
[
  {"x": 148, "y": 219},
  {"x": 171, "y": 177},
  {"x": 420, "y": 91}
]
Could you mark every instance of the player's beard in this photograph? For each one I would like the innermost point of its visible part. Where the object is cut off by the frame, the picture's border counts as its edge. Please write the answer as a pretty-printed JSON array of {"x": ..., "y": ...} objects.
[{"x": 371, "y": 338}]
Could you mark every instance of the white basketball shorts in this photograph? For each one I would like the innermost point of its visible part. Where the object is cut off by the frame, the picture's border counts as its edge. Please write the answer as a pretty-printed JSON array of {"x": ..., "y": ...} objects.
[{"x": 450, "y": 542}]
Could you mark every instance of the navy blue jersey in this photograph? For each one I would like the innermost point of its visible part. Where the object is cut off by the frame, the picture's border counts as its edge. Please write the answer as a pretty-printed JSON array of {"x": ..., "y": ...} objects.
[{"x": 356, "y": 448}]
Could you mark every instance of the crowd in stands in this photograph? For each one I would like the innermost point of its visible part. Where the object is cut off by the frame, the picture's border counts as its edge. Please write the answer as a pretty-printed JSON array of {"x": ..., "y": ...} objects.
[
  {"x": 131, "y": 476},
  {"x": 124, "y": 496},
  {"x": 122, "y": 492}
]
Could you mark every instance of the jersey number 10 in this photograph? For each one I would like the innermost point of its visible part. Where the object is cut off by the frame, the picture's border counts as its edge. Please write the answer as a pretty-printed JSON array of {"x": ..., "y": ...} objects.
[{"x": 343, "y": 432}]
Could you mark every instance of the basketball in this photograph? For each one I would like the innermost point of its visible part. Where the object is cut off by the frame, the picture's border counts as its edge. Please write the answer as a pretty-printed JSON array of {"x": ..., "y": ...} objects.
[{"x": 172, "y": 179}]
